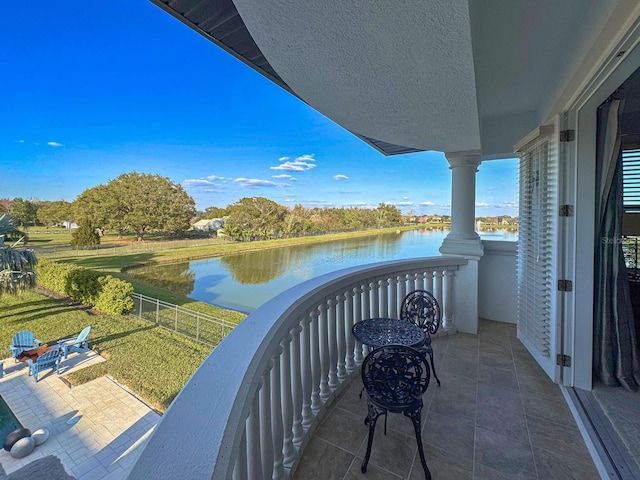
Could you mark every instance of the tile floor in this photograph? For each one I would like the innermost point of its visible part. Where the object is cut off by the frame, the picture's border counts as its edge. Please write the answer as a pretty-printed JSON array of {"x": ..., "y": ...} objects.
[
  {"x": 112, "y": 424},
  {"x": 496, "y": 416}
]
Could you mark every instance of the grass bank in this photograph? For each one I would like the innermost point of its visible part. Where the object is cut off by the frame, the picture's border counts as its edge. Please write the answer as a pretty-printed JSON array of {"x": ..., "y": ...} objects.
[{"x": 151, "y": 361}]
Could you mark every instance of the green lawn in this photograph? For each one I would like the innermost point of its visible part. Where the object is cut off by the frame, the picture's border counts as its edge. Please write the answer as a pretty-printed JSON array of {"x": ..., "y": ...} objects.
[{"x": 153, "y": 362}]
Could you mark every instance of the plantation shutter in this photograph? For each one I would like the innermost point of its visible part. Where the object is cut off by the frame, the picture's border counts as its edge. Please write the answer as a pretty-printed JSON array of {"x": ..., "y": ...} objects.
[
  {"x": 538, "y": 181},
  {"x": 631, "y": 180}
]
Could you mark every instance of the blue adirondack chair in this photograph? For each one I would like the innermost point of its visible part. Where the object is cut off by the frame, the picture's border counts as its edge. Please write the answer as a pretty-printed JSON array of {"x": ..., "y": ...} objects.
[
  {"x": 51, "y": 359},
  {"x": 23, "y": 340},
  {"x": 77, "y": 344}
]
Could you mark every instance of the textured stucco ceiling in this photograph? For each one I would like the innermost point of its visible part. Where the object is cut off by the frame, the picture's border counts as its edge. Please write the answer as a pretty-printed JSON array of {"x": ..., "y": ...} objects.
[
  {"x": 376, "y": 68},
  {"x": 447, "y": 75}
]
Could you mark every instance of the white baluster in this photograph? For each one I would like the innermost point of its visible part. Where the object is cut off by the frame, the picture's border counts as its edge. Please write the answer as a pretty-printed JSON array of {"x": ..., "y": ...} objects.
[
  {"x": 240, "y": 471},
  {"x": 358, "y": 316},
  {"x": 366, "y": 301},
  {"x": 403, "y": 290},
  {"x": 341, "y": 338},
  {"x": 429, "y": 281},
  {"x": 297, "y": 389},
  {"x": 332, "y": 339},
  {"x": 254, "y": 463},
  {"x": 393, "y": 297},
  {"x": 277, "y": 429},
  {"x": 348, "y": 324},
  {"x": 316, "y": 402},
  {"x": 375, "y": 299},
  {"x": 448, "y": 323},
  {"x": 306, "y": 358},
  {"x": 289, "y": 377},
  {"x": 323, "y": 336},
  {"x": 413, "y": 281},
  {"x": 437, "y": 287},
  {"x": 384, "y": 298},
  {"x": 266, "y": 439}
]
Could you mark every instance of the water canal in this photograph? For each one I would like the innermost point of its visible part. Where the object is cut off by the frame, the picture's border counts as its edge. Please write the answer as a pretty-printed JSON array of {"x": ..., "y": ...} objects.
[{"x": 245, "y": 281}]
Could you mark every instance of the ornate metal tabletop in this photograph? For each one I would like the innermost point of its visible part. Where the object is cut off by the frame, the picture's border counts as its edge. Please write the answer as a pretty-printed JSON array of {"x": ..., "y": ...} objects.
[{"x": 376, "y": 332}]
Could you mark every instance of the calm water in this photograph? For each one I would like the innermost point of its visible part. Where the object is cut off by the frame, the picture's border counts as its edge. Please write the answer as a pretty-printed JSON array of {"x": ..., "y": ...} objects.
[{"x": 244, "y": 282}]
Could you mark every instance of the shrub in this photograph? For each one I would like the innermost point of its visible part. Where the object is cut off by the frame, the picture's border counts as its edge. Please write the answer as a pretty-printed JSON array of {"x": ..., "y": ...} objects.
[
  {"x": 85, "y": 236},
  {"x": 105, "y": 293},
  {"x": 115, "y": 296},
  {"x": 53, "y": 276},
  {"x": 83, "y": 286}
]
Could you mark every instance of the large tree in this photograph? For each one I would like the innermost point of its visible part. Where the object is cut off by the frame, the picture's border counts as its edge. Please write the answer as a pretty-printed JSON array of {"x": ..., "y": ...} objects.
[
  {"x": 54, "y": 213},
  {"x": 23, "y": 211},
  {"x": 16, "y": 265},
  {"x": 137, "y": 202},
  {"x": 255, "y": 218}
]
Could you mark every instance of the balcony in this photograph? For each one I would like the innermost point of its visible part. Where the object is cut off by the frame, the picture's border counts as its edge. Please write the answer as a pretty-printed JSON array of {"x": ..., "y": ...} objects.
[
  {"x": 281, "y": 391},
  {"x": 496, "y": 415}
]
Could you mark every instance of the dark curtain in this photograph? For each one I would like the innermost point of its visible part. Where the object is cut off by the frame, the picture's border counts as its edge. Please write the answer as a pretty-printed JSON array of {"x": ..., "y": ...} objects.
[{"x": 615, "y": 348}]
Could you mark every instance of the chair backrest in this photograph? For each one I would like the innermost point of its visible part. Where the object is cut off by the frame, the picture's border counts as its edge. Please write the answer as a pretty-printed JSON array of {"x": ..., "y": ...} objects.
[
  {"x": 421, "y": 308},
  {"x": 24, "y": 338},
  {"x": 48, "y": 358},
  {"x": 83, "y": 335},
  {"x": 395, "y": 376}
]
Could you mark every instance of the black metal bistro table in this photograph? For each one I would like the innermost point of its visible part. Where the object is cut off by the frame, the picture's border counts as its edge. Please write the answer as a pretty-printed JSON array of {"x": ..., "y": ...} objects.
[{"x": 377, "y": 332}]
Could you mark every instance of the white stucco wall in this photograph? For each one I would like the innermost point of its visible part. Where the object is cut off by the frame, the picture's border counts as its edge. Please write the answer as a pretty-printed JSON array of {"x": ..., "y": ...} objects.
[{"x": 497, "y": 290}]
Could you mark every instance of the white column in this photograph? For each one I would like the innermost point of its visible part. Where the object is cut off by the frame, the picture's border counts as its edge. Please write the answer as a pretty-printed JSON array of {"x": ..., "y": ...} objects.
[{"x": 462, "y": 239}]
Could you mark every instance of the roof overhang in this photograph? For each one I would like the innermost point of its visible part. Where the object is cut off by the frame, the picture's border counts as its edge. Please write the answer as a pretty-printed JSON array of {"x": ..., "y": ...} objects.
[{"x": 446, "y": 75}]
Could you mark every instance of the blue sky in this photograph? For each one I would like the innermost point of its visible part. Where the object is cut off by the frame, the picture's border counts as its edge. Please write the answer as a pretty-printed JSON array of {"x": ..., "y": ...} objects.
[{"x": 94, "y": 89}]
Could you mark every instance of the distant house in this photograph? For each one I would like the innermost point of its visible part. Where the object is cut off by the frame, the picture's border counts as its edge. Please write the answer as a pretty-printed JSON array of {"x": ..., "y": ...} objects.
[
  {"x": 212, "y": 225},
  {"x": 69, "y": 224}
]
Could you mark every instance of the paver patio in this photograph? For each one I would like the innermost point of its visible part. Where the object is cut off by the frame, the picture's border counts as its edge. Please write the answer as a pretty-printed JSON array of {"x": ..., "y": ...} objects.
[{"x": 112, "y": 424}]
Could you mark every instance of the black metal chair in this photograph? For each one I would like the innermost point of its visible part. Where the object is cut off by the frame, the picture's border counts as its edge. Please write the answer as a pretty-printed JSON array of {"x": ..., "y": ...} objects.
[
  {"x": 395, "y": 377},
  {"x": 422, "y": 308}
]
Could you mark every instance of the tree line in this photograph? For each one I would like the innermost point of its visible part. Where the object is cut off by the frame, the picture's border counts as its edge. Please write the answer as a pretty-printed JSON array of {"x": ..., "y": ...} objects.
[{"x": 143, "y": 203}]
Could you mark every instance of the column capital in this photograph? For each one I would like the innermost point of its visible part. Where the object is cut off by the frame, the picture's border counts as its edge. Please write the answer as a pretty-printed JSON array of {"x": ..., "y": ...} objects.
[{"x": 467, "y": 158}]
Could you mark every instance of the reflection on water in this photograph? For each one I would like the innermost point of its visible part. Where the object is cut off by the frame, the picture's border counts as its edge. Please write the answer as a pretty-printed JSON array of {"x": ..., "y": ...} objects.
[
  {"x": 266, "y": 265},
  {"x": 245, "y": 281},
  {"x": 175, "y": 277}
]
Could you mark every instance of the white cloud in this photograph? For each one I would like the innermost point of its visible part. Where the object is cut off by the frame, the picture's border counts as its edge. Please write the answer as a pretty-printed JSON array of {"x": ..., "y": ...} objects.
[
  {"x": 403, "y": 204},
  {"x": 54, "y": 144},
  {"x": 20, "y": 141},
  {"x": 254, "y": 182},
  {"x": 427, "y": 204},
  {"x": 508, "y": 205},
  {"x": 320, "y": 203},
  {"x": 481, "y": 204},
  {"x": 196, "y": 182},
  {"x": 340, "y": 177},
  {"x": 286, "y": 176},
  {"x": 299, "y": 164},
  {"x": 405, "y": 198},
  {"x": 215, "y": 177}
]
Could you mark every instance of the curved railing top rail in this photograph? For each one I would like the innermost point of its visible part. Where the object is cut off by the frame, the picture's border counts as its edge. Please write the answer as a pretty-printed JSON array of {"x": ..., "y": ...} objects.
[{"x": 197, "y": 435}]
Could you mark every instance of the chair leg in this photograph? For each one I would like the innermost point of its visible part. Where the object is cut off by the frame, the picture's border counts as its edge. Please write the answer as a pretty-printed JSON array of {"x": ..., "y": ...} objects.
[
  {"x": 372, "y": 418},
  {"x": 433, "y": 368},
  {"x": 415, "y": 418}
]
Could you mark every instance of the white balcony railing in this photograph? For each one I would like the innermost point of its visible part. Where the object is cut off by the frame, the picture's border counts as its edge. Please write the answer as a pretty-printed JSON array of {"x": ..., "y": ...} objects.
[{"x": 251, "y": 407}]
